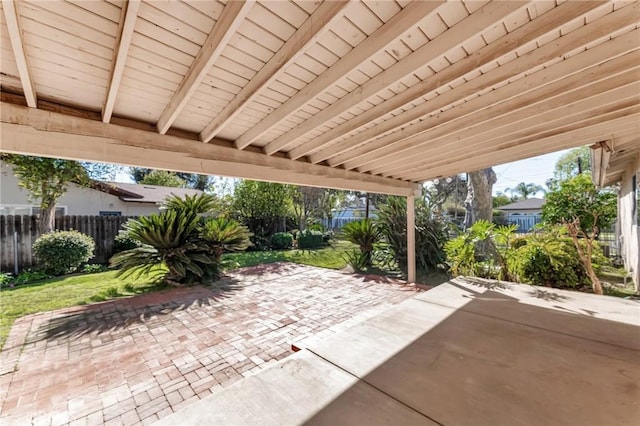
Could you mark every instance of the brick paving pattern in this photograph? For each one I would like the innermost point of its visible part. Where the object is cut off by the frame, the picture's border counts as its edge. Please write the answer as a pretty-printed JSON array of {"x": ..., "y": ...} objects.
[{"x": 135, "y": 360}]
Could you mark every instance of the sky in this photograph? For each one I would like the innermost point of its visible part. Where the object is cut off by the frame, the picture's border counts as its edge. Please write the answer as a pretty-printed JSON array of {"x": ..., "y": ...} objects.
[{"x": 532, "y": 170}]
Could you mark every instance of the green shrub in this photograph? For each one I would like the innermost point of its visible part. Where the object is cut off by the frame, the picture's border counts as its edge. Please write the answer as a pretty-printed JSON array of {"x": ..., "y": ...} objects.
[
  {"x": 93, "y": 268},
  {"x": 62, "y": 252},
  {"x": 358, "y": 260},
  {"x": 327, "y": 236},
  {"x": 281, "y": 240},
  {"x": 123, "y": 241},
  {"x": 28, "y": 276},
  {"x": 6, "y": 279},
  {"x": 309, "y": 239},
  {"x": 549, "y": 260},
  {"x": 431, "y": 233}
]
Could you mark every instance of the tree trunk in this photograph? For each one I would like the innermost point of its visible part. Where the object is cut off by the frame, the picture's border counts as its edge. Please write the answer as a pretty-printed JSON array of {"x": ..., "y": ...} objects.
[
  {"x": 366, "y": 206},
  {"x": 479, "y": 202},
  {"x": 46, "y": 222}
]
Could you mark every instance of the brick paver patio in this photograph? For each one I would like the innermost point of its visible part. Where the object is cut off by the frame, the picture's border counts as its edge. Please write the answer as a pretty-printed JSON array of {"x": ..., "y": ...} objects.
[{"x": 135, "y": 360}]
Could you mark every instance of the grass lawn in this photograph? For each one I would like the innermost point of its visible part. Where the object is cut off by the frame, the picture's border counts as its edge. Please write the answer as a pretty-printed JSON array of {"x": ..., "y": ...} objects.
[{"x": 73, "y": 290}]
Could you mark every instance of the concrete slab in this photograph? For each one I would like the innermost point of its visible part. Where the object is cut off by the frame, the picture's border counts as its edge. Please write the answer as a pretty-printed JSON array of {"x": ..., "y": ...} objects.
[
  {"x": 497, "y": 361},
  {"x": 301, "y": 389}
]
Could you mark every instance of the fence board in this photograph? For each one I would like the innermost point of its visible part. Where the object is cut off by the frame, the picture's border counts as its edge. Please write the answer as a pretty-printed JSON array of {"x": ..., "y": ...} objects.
[{"x": 103, "y": 229}]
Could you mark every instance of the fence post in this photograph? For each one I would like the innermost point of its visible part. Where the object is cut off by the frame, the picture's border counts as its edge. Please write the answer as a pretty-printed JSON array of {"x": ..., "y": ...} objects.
[{"x": 16, "y": 269}]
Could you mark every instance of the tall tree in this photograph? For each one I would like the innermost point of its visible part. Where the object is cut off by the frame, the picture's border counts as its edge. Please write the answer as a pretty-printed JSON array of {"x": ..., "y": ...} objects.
[
  {"x": 584, "y": 210},
  {"x": 102, "y": 171},
  {"x": 46, "y": 179},
  {"x": 570, "y": 164},
  {"x": 262, "y": 206},
  {"x": 479, "y": 202},
  {"x": 192, "y": 180},
  {"x": 524, "y": 190},
  {"x": 163, "y": 178}
]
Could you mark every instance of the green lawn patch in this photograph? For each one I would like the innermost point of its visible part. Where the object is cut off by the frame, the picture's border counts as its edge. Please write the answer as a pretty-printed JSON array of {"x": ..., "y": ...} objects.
[
  {"x": 66, "y": 291},
  {"x": 331, "y": 257}
]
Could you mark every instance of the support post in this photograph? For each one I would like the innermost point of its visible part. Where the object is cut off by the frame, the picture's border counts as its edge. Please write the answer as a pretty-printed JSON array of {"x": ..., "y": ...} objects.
[{"x": 411, "y": 239}]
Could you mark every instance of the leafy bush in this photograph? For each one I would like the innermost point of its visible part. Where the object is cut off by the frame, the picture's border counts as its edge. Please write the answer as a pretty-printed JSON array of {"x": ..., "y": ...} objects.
[
  {"x": 431, "y": 233},
  {"x": 358, "y": 260},
  {"x": 62, "y": 252},
  {"x": 123, "y": 241},
  {"x": 93, "y": 268},
  {"x": 29, "y": 276},
  {"x": 309, "y": 239},
  {"x": 548, "y": 259},
  {"x": 179, "y": 238},
  {"x": 5, "y": 279},
  {"x": 281, "y": 240},
  {"x": 327, "y": 236},
  {"x": 481, "y": 251}
]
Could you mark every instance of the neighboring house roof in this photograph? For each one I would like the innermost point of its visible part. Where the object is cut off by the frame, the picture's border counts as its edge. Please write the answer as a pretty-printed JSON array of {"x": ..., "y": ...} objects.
[
  {"x": 141, "y": 193},
  {"x": 528, "y": 204}
]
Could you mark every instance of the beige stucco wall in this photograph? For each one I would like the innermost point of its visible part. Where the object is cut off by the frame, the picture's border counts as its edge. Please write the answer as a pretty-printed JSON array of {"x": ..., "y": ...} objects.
[
  {"x": 78, "y": 200},
  {"x": 629, "y": 230}
]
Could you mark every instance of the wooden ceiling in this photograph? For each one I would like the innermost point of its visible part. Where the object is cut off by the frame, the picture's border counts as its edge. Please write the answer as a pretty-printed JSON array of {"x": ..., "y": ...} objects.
[{"x": 369, "y": 94}]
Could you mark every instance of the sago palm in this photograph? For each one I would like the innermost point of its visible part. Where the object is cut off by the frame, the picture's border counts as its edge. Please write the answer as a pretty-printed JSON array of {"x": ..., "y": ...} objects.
[
  {"x": 365, "y": 234},
  {"x": 222, "y": 234}
]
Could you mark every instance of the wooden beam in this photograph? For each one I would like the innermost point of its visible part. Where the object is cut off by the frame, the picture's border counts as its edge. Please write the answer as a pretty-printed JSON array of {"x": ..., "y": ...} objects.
[
  {"x": 471, "y": 119},
  {"x": 390, "y": 31},
  {"x": 486, "y": 154},
  {"x": 50, "y": 134},
  {"x": 507, "y": 44},
  {"x": 308, "y": 33},
  {"x": 411, "y": 239},
  {"x": 543, "y": 118},
  {"x": 223, "y": 30},
  {"x": 127, "y": 25},
  {"x": 12, "y": 19},
  {"x": 470, "y": 26}
]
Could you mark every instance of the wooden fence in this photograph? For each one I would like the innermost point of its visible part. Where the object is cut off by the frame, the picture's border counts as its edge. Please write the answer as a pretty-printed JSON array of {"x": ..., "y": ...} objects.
[{"x": 18, "y": 233}]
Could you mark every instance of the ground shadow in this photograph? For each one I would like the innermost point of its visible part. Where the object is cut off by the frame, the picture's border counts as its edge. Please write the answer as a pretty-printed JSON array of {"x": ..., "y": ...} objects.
[
  {"x": 122, "y": 313},
  {"x": 497, "y": 361}
]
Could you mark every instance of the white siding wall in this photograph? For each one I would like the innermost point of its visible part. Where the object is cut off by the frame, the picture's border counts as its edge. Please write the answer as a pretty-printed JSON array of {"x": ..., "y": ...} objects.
[
  {"x": 78, "y": 200},
  {"x": 629, "y": 230}
]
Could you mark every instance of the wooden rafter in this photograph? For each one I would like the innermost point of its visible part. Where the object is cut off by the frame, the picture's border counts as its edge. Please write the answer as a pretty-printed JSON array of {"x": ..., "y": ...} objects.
[
  {"x": 575, "y": 134},
  {"x": 84, "y": 139},
  {"x": 12, "y": 19},
  {"x": 390, "y": 31},
  {"x": 510, "y": 42},
  {"x": 454, "y": 36},
  {"x": 313, "y": 28},
  {"x": 568, "y": 75},
  {"x": 544, "y": 118},
  {"x": 223, "y": 30},
  {"x": 123, "y": 42}
]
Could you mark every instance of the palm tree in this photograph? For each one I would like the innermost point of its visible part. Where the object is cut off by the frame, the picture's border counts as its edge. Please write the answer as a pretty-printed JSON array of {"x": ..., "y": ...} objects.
[{"x": 525, "y": 190}]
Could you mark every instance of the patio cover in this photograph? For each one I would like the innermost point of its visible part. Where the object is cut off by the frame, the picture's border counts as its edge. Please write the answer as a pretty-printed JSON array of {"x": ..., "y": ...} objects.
[{"x": 368, "y": 95}]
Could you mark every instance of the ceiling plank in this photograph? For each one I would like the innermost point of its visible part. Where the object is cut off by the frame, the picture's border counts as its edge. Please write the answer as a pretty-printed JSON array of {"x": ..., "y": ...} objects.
[
  {"x": 313, "y": 28},
  {"x": 454, "y": 36},
  {"x": 127, "y": 25},
  {"x": 546, "y": 23},
  {"x": 533, "y": 90},
  {"x": 604, "y": 126},
  {"x": 223, "y": 30},
  {"x": 390, "y": 31},
  {"x": 543, "y": 118},
  {"x": 83, "y": 139},
  {"x": 12, "y": 19}
]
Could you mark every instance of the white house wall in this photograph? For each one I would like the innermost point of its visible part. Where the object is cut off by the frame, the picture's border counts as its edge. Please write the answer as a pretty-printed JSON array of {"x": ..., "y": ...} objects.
[
  {"x": 78, "y": 200},
  {"x": 629, "y": 230}
]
